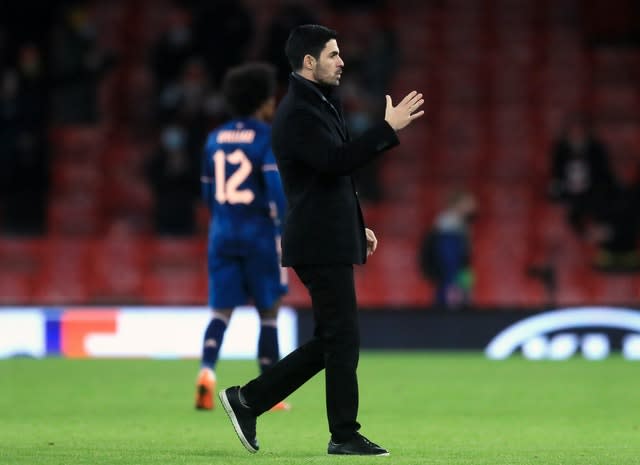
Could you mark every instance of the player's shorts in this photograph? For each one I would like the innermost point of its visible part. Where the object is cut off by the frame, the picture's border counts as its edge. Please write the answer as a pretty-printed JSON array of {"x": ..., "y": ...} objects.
[{"x": 256, "y": 278}]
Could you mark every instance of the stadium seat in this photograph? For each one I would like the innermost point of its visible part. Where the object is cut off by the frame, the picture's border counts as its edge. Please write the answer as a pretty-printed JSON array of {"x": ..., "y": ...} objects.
[
  {"x": 176, "y": 254},
  {"x": 177, "y": 287},
  {"x": 72, "y": 177},
  {"x": 16, "y": 288},
  {"x": 63, "y": 278},
  {"x": 75, "y": 215},
  {"x": 21, "y": 256},
  {"x": 116, "y": 269}
]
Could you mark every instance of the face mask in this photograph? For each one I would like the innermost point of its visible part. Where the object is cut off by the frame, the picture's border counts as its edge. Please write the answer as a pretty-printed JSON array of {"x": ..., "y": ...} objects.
[{"x": 173, "y": 139}]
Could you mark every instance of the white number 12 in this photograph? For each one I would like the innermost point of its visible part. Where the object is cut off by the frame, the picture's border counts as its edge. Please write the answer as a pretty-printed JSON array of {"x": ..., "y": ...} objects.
[{"x": 227, "y": 189}]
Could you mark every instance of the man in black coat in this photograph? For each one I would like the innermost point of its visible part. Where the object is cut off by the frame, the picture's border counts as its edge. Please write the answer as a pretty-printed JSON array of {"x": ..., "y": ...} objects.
[{"x": 323, "y": 237}]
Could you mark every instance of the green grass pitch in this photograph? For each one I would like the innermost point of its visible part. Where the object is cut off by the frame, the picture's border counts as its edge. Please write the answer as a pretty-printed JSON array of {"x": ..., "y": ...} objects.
[{"x": 427, "y": 408}]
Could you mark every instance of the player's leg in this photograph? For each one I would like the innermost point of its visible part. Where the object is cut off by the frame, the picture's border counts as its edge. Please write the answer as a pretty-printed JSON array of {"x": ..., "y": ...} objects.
[
  {"x": 226, "y": 291},
  {"x": 268, "y": 348},
  {"x": 212, "y": 341},
  {"x": 267, "y": 283}
]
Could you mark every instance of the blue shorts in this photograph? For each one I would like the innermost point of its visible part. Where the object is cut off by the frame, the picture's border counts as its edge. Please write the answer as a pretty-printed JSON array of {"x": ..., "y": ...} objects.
[{"x": 256, "y": 278}]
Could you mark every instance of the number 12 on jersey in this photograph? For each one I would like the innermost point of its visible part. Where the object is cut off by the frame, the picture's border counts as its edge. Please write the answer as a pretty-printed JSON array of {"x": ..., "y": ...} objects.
[{"x": 227, "y": 190}]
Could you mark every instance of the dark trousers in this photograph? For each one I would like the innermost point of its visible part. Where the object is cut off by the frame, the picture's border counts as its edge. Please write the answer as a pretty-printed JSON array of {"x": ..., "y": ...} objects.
[{"x": 334, "y": 347}]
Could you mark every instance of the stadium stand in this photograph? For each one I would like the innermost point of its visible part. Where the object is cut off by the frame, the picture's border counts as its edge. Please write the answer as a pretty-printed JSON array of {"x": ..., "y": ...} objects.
[{"x": 499, "y": 76}]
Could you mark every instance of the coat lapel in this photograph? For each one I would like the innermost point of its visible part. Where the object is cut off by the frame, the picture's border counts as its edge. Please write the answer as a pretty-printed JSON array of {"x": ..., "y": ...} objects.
[{"x": 313, "y": 97}]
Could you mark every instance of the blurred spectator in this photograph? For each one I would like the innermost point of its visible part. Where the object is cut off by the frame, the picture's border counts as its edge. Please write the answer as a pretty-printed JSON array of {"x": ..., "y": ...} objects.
[
  {"x": 379, "y": 61},
  {"x": 600, "y": 208},
  {"x": 371, "y": 58},
  {"x": 24, "y": 21},
  {"x": 360, "y": 110},
  {"x": 174, "y": 48},
  {"x": 580, "y": 172},
  {"x": 9, "y": 124},
  {"x": 4, "y": 47},
  {"x": 615, "y": 229},
  {"x": 24, "y": 95},
  {"x": 445, "y": 255},
  {"x": 23, "y": 147},
  {"x": 192, "y": 103},
  {"x": 173, "y": 175},
  {"x": 224, "y": 30},
  {"x": 77, "y": 66},
  {"x": 288, "y": 16}
]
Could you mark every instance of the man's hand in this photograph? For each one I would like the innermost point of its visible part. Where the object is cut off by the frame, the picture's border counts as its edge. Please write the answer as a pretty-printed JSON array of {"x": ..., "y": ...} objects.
[
  {"x": 372, "y": 242},
  {"x": 405, "y": 112}
]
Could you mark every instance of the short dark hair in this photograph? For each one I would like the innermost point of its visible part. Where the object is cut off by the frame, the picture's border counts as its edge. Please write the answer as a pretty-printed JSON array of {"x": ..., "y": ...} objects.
[
  {"x": 248, "y": 86},
  {"x": 308, "y": 39}
]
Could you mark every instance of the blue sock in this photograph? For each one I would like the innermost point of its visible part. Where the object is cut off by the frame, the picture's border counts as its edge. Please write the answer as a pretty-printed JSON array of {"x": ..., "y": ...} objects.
[
  {"x": 268, "y": 350},
  {"x": 212, "y": 342}
]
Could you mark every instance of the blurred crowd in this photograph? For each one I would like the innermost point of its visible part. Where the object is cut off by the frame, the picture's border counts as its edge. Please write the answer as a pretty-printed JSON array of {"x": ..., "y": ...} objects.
[
  {"x": 189, "y": 60},
  {"x": 601, "y": 208},
  {"x": 50, "y": 66},
  {"x": 57, "y": 59},
  {"x": 53, "y": 66}
]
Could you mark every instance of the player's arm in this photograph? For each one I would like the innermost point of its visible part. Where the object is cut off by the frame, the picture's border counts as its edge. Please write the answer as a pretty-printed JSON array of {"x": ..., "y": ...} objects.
[
  {"x": 207, "y": 177},
  {"x": 275, "y": 193}
]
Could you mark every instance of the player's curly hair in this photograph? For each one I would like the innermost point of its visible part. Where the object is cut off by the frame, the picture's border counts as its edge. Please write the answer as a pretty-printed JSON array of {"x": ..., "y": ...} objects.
[
  {"x": 308, "y": 39},
  {"x": 248, "y": 86}
]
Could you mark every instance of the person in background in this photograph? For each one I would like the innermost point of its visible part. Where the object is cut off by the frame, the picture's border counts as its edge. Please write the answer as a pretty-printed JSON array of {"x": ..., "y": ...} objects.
[
  {"x": 445, "y": 255},
  {"x": 242, "y": 187},
  {"x": 580, "y": 172},
  {"x": 601, "y": 208},
  {"x": 24, "y": 151},
  {"x": 615, "y": 229},
  {"x": 171, "y": 173}
]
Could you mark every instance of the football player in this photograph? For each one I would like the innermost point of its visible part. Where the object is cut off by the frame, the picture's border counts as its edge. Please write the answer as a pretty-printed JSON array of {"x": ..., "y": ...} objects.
[{"x": 242, "y": 188}]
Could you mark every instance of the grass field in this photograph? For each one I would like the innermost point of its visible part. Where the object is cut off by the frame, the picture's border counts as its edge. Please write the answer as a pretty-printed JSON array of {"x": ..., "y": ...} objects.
[{"x": 427, "y": 408}]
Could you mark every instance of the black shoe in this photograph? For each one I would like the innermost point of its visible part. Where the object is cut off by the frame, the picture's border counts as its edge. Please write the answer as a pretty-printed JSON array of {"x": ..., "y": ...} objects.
[
  {"x": 358, "y": 445},
  {"x": 242, "y": 418}
]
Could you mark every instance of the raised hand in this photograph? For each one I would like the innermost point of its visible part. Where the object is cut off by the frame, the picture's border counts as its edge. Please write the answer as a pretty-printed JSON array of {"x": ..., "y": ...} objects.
[{"x": 405, "y": 112}]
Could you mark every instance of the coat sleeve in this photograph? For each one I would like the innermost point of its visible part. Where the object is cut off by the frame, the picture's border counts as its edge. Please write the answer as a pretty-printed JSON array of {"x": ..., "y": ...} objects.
[{"x": 313, "y": 143}]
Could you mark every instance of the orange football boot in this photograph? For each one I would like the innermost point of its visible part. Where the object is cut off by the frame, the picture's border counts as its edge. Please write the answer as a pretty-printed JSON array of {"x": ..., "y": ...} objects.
[
  {"x": 280, "y": 406},
  {"x": 205, "y": 389}
]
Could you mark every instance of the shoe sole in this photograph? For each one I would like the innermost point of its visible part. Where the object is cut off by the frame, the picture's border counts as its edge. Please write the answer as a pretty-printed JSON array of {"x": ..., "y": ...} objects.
[
  {"x": 234, "y": 421},
  {"x": 386, "y": 454}
]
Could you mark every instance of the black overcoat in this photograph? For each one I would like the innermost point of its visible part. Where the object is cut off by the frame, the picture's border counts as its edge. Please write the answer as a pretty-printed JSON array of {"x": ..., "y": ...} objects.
[{"x": 316, "y": 159}]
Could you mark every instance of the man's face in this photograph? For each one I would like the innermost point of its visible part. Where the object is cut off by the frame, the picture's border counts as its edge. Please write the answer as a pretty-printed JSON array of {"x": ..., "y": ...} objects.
[{"x": 328, "y": 67}]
